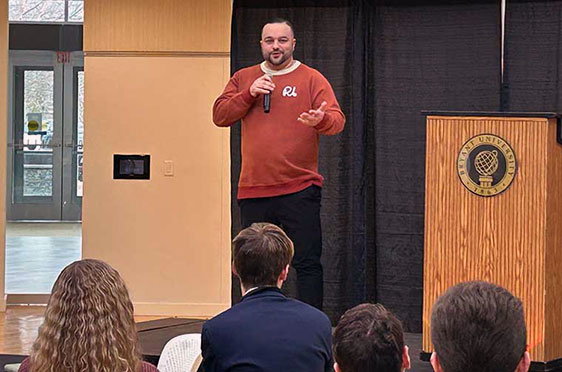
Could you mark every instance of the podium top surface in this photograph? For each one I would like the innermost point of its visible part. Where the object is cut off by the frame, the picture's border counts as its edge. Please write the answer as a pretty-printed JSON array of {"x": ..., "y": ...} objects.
[{"x": 493, "y": 114}]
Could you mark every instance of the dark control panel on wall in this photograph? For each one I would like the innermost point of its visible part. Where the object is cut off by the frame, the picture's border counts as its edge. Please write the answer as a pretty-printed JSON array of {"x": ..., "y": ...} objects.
[{"x": 131, "y": 167}]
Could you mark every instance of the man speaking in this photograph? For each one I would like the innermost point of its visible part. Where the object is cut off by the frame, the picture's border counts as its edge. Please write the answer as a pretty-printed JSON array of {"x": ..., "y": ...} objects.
[{"x": 284, "y": 106}]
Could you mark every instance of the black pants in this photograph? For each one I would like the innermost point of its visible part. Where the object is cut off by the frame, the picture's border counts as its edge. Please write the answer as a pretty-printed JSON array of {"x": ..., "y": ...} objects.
[{"x": 298, "y": 215}]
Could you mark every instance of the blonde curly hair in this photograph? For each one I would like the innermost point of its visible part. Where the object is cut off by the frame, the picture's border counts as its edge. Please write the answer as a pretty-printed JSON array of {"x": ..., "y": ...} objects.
[{"x": 89, "y": 324}]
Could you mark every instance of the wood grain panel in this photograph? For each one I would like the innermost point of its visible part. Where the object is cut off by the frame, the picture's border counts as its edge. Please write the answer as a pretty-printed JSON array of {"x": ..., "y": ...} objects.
[
  {"x": 500, "y": 239},
  {"x": 157, "y": 25},
  {"x": 175, "y": 54},
  {"x": 553, "y": 258}
]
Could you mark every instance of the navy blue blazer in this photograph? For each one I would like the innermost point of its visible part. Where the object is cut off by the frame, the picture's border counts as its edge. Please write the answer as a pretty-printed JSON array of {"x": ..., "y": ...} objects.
[{"x": 267, "y": 332}]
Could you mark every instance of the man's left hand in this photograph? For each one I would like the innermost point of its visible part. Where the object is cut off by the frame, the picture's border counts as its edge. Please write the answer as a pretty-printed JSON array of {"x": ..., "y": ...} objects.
[{"x": 313, "y": 117}]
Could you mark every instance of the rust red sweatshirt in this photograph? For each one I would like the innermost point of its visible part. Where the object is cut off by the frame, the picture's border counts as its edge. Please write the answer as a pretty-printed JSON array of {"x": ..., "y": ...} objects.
[{"x": 279, "y": 153}]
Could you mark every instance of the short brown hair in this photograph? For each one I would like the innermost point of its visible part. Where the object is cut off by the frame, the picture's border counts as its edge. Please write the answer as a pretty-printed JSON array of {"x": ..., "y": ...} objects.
[
  {"x": 280, "y": 20},
  {"x": 478, "y": 326},
  {"x": 369, "y": 338},
  {"x": 260, "y": 253}
]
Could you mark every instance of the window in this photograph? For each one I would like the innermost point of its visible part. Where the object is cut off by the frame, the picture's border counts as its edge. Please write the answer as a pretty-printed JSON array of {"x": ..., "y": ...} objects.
[
  {"x": 75, "y": 11},
  {"x": 48, "y": 11}
]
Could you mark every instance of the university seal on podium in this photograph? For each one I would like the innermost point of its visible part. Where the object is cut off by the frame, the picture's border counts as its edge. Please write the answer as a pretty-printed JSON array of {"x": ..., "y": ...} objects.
[{"x": 486, "y": 165}]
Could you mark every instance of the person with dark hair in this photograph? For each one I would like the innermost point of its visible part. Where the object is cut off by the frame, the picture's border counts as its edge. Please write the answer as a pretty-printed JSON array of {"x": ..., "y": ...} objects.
[
  {"x": 266, "y": 331},
  {"x": 89, "y": 324},
  {"x": 479, "y": 326},
  {"x": 369, "y": 338},
  {"x": 284, "y": 106}
]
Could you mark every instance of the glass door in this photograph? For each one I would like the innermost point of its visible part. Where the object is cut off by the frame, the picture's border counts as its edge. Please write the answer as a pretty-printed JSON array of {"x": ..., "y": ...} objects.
[
  {"x": 44, "y": 169},
  {"x": 73, "y": 139}
]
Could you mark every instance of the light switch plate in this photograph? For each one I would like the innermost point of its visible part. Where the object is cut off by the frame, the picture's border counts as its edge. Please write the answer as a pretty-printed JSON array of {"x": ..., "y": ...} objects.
[{"x": 168, "y": 168}]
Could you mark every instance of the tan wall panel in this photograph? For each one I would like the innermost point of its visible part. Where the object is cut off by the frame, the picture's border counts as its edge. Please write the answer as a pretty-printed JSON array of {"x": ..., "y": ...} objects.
[
  {"x": 3, "y": 143},
  {"x": 169, "y": 236},
  {"x": 499, "y": 239},
  {"x": 157, "y": 25}
]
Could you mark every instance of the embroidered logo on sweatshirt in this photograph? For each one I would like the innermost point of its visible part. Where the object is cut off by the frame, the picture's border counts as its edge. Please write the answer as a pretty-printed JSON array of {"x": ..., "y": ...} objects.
[{"x": 289, "y": 91}]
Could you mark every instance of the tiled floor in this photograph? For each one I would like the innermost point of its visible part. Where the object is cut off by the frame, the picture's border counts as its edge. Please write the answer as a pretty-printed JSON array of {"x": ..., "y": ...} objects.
[{"x": 37, "y": 252}]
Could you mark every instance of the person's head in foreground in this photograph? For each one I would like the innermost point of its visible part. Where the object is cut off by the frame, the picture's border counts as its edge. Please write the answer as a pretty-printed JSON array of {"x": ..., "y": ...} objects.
[
  {"x": 369, "y": 338},
  {"x": 261, "y": 255},
  {"x": 89, "y": 324},
  {"x": 479, "y": 326}
]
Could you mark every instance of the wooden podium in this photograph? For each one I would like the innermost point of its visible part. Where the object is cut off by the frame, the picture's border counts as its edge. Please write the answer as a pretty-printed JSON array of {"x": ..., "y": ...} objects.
[{"x": 493, "y": 211}]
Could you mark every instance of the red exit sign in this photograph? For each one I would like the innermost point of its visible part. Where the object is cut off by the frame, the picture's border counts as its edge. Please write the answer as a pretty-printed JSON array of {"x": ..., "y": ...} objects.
[{"x": 63, "y": 57}]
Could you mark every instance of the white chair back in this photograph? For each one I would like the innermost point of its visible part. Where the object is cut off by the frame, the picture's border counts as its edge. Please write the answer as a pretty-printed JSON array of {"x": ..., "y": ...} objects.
[
  {"x": 12, "y": 367},
  {"x": 181, "y": 354}
]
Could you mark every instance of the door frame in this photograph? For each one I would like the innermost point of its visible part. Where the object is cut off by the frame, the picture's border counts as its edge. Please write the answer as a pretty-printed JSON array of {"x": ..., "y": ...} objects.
[
  {"x": 71, "y": 205},
  {"x": 63, "y": 206}
]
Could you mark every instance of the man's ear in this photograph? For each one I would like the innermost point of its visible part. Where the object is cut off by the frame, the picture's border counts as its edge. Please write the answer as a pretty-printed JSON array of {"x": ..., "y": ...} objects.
[
  {"x": 524, "y": 363},
  {"x": 284, "y": 273},
  {"x": 435, "y": 362},
  {"x": 405, "y": 358},
  {"x": 337, "y": 367},
  {"x": 234, "y": 270}
]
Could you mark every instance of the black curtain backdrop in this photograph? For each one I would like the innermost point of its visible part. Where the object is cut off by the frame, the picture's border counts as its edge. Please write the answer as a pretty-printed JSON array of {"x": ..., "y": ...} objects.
[
  {"x": 433, "y": 56},
  {"x": 387, "y": 61},
  {"x": 532, "y": 57}
]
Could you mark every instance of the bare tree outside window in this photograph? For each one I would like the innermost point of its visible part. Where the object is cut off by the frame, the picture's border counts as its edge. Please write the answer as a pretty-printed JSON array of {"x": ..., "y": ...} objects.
[
  {"x": 46, "y": 11},
  {"x": 75, "y": 11},
  {"x": 38, "y": 158},
  {"x": 38, "y": 98}
]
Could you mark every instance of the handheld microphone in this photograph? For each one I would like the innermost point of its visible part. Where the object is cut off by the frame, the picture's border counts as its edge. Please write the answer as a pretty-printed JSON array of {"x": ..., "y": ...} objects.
[{"x": 267, "y": 100}]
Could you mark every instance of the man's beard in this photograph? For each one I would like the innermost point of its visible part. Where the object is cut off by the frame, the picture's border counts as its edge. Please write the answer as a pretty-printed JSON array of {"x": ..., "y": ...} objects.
[{"x": 283, "y": 59}]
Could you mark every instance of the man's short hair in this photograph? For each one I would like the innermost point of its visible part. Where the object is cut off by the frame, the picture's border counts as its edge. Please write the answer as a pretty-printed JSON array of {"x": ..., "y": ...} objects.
[
  {"x": 478, "y": 326},
  {"x": 260, "y": 253},
  {"x": 280, "y": 20},
  {"x": 369, "y": 338}
]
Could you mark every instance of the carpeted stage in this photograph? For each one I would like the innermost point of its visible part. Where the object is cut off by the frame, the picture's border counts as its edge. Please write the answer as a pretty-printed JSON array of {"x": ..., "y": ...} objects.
[{"x": 155, "y": 333}]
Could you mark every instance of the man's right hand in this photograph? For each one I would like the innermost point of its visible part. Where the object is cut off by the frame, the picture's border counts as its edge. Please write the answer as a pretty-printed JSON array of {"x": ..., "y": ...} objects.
[{"x": 262, "y": 85}]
